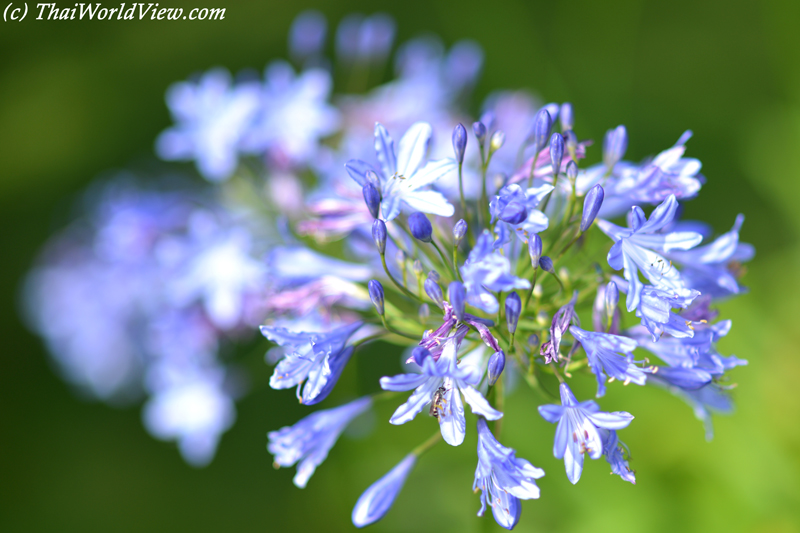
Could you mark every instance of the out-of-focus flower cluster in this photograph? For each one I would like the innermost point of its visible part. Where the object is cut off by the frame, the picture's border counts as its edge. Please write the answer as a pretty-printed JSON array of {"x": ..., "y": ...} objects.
[{"x": 478, "y": 248}]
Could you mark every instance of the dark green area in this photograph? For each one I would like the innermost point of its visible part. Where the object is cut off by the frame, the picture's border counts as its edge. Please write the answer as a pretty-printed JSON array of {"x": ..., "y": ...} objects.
[{"x": 78, "y": 99}]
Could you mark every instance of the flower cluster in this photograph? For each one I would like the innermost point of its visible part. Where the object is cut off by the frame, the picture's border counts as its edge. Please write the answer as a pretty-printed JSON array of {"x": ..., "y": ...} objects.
[{"x": 477, "y": 248}]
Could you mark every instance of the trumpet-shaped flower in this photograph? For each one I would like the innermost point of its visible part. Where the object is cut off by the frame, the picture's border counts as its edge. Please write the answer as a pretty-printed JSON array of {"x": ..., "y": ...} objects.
[
  {"x": 456, "y": 378},
  {"x": 634, "y": 247},
  {"x": 309, "y": 440},
  {"x": 578, "y": 428},
  {"x": 529, "y": 220},
  {"x": 609, "y": 356},
  {"x": 315, "y": 358},
  {"x": 404, "y": 176},
  {"x": 503, "y": 478},
  {"x": 616, "y": 452}
]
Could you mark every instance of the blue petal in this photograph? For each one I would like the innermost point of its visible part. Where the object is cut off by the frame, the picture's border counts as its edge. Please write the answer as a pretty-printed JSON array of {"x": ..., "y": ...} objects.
[
  {"x": 379, "y": 497},
  {"x": 412, "y": 149},
  {"x": 384, "y": 148}
]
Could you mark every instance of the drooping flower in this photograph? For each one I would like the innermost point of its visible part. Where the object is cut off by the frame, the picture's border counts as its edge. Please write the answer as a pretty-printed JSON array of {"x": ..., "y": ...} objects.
[
  {"x": 315, "y": 358},
  {"x": 376, "y": 501},
  {"x": 615, "y": 452},
  {"x": 211, "y": 119},
  {"x": 503, "y": 479},
  {"x": 655, "y": 309},
  {"x": 562, "y": 320},
  {"x": 486, "y": 270},
  {"x": 403, "y": 177},
  {"x": 456, "y": 379},
  {"x": 309, "y": 440},
  {"x": 609, "y": 356},
  {"x": 578, "y": 427},
  {"x": 633, "y": 249}
]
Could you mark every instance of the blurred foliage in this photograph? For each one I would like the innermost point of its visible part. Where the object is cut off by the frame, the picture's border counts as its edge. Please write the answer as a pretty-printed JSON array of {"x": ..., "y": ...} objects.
[{"x": 80, "y": 98}]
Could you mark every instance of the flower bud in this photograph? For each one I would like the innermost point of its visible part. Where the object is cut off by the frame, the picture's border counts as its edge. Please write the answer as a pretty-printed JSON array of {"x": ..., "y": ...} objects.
[
  {"x": 433, "y": 275},
  {"x": 533, "y": 340},
  {"x": 420, "y": 226},
  {"x": 434, "y": 292},
  {"x": 514, "y": 213},
  {"x": 416, "y": 266},
  {"x": 424, "y": 313},
  {"x": 570, "y": 142},
  {"x": 376, "y": 295},
  {"x": 535, "y": 249},
  {"x": 400, "y": 259},
  {"x": 372, "y": 198},
  {"x": 498, "y": 138},
  {"x": 566, "y": 117},
  {"x": 591, "y": 205},
  {"x": 614, "y": 145},
  {"x": 459, "y": 230},
  {"x": 457, "y": 295},
  {"x": 497, "y": 362},
  {"x": 546, "y": 264},
  {"x": 488, "y": 118},
  {"x": 379, "y": 235},
  {"x": 480, "y": 132},
  {"x": 419, "y": 354},
  {"x": 513, "y": 310},
  {"x": 373, "y": 180},
  {"x": 541, "y": 130},
  {"x": 611, "y": 298},
  {"x": 459, "y": 142},
  {"x": 572, "y": 171},
  {"x": 556, "y": 152}
]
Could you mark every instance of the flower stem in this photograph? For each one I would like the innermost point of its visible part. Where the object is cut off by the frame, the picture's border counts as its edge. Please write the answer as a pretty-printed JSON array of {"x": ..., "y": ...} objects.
[
  {"x": 397, "y": 283},
  {"x": 428, "y": 444},
  {"x": 444, "y": 259}
]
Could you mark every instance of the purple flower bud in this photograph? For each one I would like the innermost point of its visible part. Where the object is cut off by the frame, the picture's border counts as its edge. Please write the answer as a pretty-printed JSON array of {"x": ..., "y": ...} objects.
[
  {"x": 379, "y": 235},
  {"x": 556, "y": 152},
  {"x": 572, "y": 171},
  {"x": 498, "y": 138},
  {"x": 400, "y": 259},
  {"x": 459, "y": 142},
  {"x": 541, "y": 130},
  {"x": 480, "y": 132},
  {"x": 497, "y": 362},
  {"x": 514, "y": 213},
  {"x": 488, "y": 118},
  {"x": 373, "y": 180},
  {"x": 459, "y": 230},
  {"x": 372, "y": 198},
  {"x": 307, "y": 35},
  {"x": 379, "y": 497},
  {"x": 533, "y": 340},
  {"x": 570, "y": 141},
  {"x": 424, "y": 313},
  {"x": 591, "y": 205},
  {"x": 420, "y": 226},
  {"x": 567, "y": 119},
  {"x": 535, "y": 249},
  {"x": 434, "y": 292},
  {"x": 419, "y": 354},
  {"x": 376, "y": 295},
  {"x": 457, "y": 295},
  {"x": 434, "y": 275},
  {"x": 546, "y": 264},
  {"x": 416, "y": 266},
  {"x": 614, "y": 145},
  {"x": 513, "y": 310},
  {"x": 612, "y": 298}
]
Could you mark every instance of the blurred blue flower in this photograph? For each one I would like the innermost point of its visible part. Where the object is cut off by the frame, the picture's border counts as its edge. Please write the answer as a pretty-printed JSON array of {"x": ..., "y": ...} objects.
[
  {"x": 376, "y": 501},
  {"x": 615, "y": 452},
  {"x": 487, "y": 270}
]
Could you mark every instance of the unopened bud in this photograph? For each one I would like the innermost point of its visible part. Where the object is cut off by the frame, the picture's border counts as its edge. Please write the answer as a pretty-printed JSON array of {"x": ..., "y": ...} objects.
[
  {"x": 566, "y": 117},
  {"x": 533, "y": 340},
  {"x": 457, "y": 295},
  {"x": 541, "y": 130},
  {"x": 424, "y": 313},
  {"x": 556, "y": 152},
  {"x": 546, "y": 264},
  {"x": 614, "y": 145},
  {"x": 497, "y": 362},
  {"x": 612, "y": 298},
  {"x": 372, "y": 198},
  {"x": 459, "y": 230},
  {"x": 514, "y": 213},
  {"x": 572, "y": 171},
  {"x": 513, "y": 310},
  {"x": 434, "y": 292},
  {"x": 480, "y": 132},
  {"x": 420, "y": 226},
  {"x": 498, "y": 138},
  {"x": 459, "y": 142},
  {"x": 535, "y": 249},
  {"x": 376, "y": 295},
  {"x": 434, "y": 275},
  {"x": 591, "y": 206},
  {"x": 416, "y": 266},
  {"x": 379, "y": 235}
]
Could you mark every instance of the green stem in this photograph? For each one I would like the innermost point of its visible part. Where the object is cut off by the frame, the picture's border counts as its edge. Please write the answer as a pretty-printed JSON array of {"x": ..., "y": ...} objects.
[
  {"x": 444, "y": 259},
  {"x": 365, "y": 340},
  {"x": 428, "y": 444},
  {"x": 396, "y": 332},
  {"x": 399, "y": 286},
  {"x": 461, "y": 192}
]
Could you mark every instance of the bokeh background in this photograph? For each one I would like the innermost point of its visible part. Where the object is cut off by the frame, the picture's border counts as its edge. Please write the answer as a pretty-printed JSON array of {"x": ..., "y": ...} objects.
[{"x": 81, "y": 99}]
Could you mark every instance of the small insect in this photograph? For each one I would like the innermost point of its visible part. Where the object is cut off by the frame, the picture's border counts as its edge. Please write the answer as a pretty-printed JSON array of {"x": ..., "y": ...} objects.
[{"x": 438, "y": 402}]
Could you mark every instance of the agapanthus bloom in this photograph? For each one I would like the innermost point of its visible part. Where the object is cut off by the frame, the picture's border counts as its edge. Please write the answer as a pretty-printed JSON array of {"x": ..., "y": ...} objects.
[
  {"x": 486, "y": 270},
  {"x": 578, "y": 428},
  {"x": 610, "y": 355}
]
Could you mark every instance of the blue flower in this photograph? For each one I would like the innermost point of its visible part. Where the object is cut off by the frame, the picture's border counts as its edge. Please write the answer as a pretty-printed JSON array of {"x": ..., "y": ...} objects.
[
  {"x": 512, "y": 196},
  {"x": 211, "y": 117},
  {"x": 503, "y": 478},
  {"x": 615, "y": 452},
  {"x": 706, "y": 400},
  {"x": 610, "y": 355},
  {"x": 293, "y": 115},
  {"x": 633, "y": 249},
  {"x": 655, "y": 309},
  {"x": 403, "y": 176},
  {"x": 316, "y": 358},
  {"x": 712, "y": 268},
  {"x": 487, "y": 270},
  {"x": 562, "y": 320},
  {"x": 456, "y": 379},
  {"x": 379, "y": 497},
  {"x": 578, "y": 429},
  {"x": 310, "y": 439}
]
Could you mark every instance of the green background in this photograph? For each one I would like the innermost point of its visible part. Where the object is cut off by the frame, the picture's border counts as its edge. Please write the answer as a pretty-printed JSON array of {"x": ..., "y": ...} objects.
[{"x": 80, "y": 99}]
